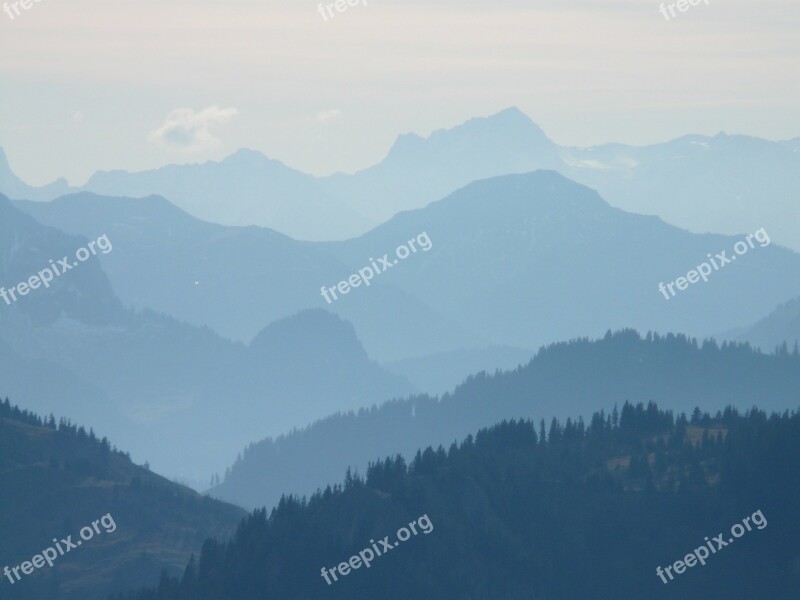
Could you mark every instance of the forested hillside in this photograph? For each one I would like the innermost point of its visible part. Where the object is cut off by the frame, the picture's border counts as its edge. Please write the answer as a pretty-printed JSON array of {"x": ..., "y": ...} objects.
[
  {"x": 589, "y": 510},
  {"x": 56, "y": 478},
  {"x": 565, "y": 379}
]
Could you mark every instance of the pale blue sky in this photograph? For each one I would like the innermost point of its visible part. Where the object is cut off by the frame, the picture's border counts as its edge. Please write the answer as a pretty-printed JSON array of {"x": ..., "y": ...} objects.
[{"x": 133, "y": 84}]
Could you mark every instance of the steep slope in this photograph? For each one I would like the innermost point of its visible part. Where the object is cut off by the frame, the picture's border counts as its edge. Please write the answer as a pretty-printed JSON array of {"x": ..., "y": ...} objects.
[
  {"x": 26, "y": 247},
  {"x": 562, "y": 380},
  {"x": 151, "y": 381},
  {"x": 593, "y": 511},
  {"x": 56, "y": 479}
]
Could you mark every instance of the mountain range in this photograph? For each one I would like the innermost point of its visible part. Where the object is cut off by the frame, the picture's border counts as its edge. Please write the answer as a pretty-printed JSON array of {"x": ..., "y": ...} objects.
[
  {"x": 726, "y": 184},
  {"x": 152, "y": 381},
  {"x": 516, "y": 261}
]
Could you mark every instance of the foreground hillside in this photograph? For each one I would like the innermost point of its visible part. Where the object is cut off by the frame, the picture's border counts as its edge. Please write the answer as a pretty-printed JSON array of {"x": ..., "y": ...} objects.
[
  {"x": 57, "y": 478},
  {"x": 587, "y": 511},
  {"x": 562, "y": 380}
]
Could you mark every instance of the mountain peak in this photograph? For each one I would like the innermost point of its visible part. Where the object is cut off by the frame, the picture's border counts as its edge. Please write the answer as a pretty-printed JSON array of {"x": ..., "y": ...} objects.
[
  {"x": 509, "y": 131},
  {"x": 333, "y": 333},
  {"x": 510, "y": 114},
  {"x": 510, "y": 121},
  {"x": 247, "y": 156}
]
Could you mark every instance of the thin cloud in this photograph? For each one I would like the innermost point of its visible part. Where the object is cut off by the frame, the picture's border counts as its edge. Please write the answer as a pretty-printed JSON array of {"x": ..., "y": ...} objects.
[
  {"x": 328, "y": 115},
  {"x": 189, "y": 130}
]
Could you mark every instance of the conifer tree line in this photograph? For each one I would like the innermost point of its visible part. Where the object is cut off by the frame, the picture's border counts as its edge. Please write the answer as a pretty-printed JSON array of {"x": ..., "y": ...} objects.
[{"x": 564, "y": 510}]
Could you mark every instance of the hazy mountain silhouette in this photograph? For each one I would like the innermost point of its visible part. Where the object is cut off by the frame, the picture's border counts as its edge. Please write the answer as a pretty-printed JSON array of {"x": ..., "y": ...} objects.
[
  {"x": 13, "y": 187},
  {"x": 781, "y": 326},
  {"x": 436, "y": 374},
  {"x": 727, "y": 184},
  {"x": 169, "y": 261},
  {"x": 523, "y": 260},
  {"x": 238, "y": 280},
  {"x": 26, "y": 247},
  {"x": 247, "y": 188},
  {"x": 419, "y": 170},
  {"x": 564, "y": 379},
  {"x": 55, "y": 479},
  {"x": 168, "y": 382},
  {"x": 518, "y": 260}
]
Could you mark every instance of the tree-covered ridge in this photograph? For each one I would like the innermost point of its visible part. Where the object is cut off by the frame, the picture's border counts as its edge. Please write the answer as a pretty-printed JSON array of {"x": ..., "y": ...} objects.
[
  {"x": 565, "y": 379},
  {"x": 64, "y": 427},
  {"x": 574, "y": 510},
  {"x": 56, "y": 478}
]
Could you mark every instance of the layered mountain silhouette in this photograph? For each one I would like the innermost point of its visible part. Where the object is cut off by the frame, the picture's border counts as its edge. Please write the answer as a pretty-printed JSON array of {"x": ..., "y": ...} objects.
[
  {"x": 419, "y": 170},
  {"x": 438, "y": 373},
  {"x": 247, "y": 188},
  {"x": 778, "y": 330},
  {"x": 152, "y": 381},
  {"x": 519, "y": 261},
  {"x": 566, "y": 379},
  {"x": 234, "y": 280},
  {"x": 56, "y": 478},
  {"x": 727, "y": 184},
  {"x": 13, "y": 187}
]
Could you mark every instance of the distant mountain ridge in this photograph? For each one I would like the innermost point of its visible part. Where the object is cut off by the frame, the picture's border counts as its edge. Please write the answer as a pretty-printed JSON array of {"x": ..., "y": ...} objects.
[
  {"x": 152, "y": 381},
  {"x": 13, "y": 187},
  {"x": 780, "y": 327},
  {"x": 726, "y": 184},
  {"x": 246, "y": 188},
  {"x": 418, "y": 171},
  {"x": 519, "y": 260}
]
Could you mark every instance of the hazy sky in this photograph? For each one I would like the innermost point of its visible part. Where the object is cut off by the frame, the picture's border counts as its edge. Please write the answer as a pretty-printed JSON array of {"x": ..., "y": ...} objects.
[{"x": 135, "y": 84}]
